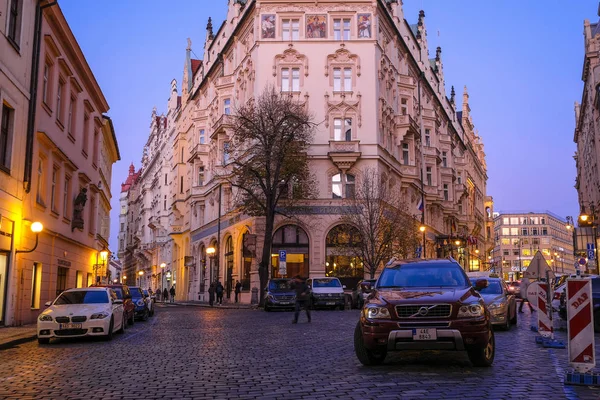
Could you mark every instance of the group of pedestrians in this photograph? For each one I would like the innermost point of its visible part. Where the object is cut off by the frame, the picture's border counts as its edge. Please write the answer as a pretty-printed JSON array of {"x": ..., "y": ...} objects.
[
  {"x": 167, "y": 295},
  {"x": 215, "y": 289}
]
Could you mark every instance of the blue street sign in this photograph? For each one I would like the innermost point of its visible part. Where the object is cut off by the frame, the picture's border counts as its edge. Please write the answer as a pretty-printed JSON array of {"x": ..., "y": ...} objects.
[
  {"x": 418, "y": 251},
  {"x": 282, "y": 255},
  {"x": 590, "y": 254},
  {"x": 590, "y": 246}
]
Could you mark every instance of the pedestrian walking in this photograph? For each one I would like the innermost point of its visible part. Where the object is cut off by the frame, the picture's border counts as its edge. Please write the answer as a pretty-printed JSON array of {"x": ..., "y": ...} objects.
[
  {"x": 172, "y": 291},
  {"x": 211, "y": 294},
  {"x": 219, "y": 289},
  {"x": 302, "y": 297},
  {"x": 165, "y": 295},
  {"x": 238, "y": 290},
  {"x": 523, "y": 294},
  {"x": 158, "y": 293}
]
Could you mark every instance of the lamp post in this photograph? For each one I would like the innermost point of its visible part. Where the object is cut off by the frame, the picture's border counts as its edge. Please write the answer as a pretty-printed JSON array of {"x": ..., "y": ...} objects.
[
  {"x": 124, "y": 278},
  {"x": 211, "y": 251},
  {"x": 162, "y": 274},
  {"x": 590, "y": 220},
  {"x": 141, "y": 273},
  {"x": 422, "y": 229},
  {"x": 104, "y": 257},
  {"x": 36, "y": 228}
]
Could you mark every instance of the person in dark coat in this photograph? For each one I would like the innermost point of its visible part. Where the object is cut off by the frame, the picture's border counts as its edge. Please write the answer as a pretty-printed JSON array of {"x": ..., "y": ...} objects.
[
  {"x": 172, "y": 291},
  {"x": 211, "y": 294},
  {"x": 302, "y": 297},
  {"x": 219, "y": 290},
  {"x": 165, "y": 295},
  {"x": 238, "y": 290}
]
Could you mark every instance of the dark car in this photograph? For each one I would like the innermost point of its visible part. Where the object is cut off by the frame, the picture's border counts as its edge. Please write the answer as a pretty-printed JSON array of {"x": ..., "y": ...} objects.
[
  {"x": 562, "y": 310},
  {"x": 501, "y": 303},
  {"x": 139, "y": 300},
  {"x": 280, "y": 295},
  {"x": 425, "y": 305},
  {"x": 124, "y": 294},
  {"x": 361, "y": 291}
]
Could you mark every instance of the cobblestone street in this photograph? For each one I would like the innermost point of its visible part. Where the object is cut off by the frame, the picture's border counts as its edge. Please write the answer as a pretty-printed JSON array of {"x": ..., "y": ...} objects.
[{"x": 191, "y": 352}]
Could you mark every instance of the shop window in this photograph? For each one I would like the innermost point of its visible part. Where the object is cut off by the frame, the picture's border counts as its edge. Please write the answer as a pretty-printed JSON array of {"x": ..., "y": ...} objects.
[
  {"x": 294, "y": 240},
  {"x": 341, "y": 261},
  {"x": 79, "y": 279}
]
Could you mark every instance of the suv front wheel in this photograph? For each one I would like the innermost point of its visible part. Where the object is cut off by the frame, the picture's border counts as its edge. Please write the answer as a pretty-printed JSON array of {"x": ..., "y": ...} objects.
[
  {"x": 364, "y": 355},
  {"x": 483, "y": 356}
]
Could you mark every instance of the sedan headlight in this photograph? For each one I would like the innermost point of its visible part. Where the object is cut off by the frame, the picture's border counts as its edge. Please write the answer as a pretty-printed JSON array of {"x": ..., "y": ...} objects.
[
  {"x": 471, "y": 310},
  {"x": 497, "y": 305},
  {"x": 377, "y": 312},
  {"x": 45, "y": 318},
  {"x": 140, "y": 303},
  {"x": 100, "y": 315}
]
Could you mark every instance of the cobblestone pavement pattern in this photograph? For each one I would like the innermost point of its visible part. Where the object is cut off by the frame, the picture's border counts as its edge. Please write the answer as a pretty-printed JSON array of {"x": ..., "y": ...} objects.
[{"x": 188, "y": 352}]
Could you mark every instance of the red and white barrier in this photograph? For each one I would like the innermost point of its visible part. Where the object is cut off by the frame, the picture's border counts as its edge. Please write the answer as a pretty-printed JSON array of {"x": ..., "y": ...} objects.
[
  {"x": 580, "y": 325},
  {"x": 545, "y": 327}
]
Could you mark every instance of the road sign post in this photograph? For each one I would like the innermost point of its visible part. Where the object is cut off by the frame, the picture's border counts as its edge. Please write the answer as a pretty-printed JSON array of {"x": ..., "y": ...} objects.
[{"x": 282, "y": 262}]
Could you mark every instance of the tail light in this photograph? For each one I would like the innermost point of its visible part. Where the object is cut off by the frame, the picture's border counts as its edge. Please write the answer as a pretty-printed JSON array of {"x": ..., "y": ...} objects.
[{"x": 556, "y": 295}]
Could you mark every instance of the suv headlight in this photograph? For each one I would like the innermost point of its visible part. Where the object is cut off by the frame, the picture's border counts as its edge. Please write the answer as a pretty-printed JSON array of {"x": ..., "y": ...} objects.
[
  {"x": 140, "y": 303},
  {"x": 45, "y": 318},
  {"x": 471, "y": 310},
  {"x": 377, "y": 312},
  {"x": 100, "y": 315}
]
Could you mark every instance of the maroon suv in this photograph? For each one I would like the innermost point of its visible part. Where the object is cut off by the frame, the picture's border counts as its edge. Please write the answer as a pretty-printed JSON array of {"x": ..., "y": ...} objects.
[
  {"x": 124, "y": 294},
  {"x": 424, "y": 305}
]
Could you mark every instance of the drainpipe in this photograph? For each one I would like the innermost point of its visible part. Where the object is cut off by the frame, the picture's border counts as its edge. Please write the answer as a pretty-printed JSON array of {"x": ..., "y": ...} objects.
[{"x": 35, "y": 65}]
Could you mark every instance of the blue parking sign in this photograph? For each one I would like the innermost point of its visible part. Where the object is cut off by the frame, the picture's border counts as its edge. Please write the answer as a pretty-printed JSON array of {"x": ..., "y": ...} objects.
[
  {"x": 591, "y": 255},
  {"x": 282, "y": 255}
]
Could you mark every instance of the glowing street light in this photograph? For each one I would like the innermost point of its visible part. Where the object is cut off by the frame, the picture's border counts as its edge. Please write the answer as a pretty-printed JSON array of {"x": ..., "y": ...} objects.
[{"x": 36, "y": 228}]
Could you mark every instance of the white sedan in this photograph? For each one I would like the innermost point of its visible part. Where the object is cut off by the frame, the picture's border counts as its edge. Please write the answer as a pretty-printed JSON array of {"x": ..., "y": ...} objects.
[{"x": 93, "y": 311}]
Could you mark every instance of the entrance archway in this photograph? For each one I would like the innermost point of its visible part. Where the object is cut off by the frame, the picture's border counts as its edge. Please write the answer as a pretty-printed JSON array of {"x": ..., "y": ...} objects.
[{"x": 341, "y": 260}]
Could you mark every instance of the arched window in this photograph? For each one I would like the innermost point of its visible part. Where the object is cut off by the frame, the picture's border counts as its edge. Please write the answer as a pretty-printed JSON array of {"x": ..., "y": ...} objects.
[
  {"x": 228, "y": 265},
  {"x": 342, "y": 186},
  {"x": 341, "y": 259},
  {"x": 294, "y": 241}
]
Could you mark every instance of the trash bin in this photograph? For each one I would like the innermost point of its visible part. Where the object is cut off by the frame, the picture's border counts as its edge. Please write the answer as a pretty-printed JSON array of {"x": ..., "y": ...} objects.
[{"x": 254, "y": 299}]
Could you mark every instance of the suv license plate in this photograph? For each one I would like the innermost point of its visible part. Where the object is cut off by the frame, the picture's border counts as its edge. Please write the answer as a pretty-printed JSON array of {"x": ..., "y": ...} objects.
[
  {"x": 69, "y": 326},
  {"x": 425, "y": 334},
  {"x": 330, "y": 303}
]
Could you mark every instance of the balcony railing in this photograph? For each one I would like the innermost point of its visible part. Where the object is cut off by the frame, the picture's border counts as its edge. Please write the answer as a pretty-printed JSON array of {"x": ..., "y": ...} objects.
[{"x": 344, "y": 147}]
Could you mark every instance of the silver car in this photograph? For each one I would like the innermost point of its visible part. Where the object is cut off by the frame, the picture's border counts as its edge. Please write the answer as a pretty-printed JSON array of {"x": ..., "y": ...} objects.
[{"x": 501, "y": 303}]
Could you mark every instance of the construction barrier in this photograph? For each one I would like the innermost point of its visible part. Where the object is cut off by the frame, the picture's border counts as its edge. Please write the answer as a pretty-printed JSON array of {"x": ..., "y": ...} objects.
[
  {"x": 545, "y": 327},
  {"x": 580, "y": 325}
]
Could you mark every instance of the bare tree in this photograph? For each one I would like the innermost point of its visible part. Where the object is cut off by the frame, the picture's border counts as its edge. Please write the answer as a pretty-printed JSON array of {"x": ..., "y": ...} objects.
[
  {"x": 382, "y": 220},
  {"x": 270, "y": 138}
]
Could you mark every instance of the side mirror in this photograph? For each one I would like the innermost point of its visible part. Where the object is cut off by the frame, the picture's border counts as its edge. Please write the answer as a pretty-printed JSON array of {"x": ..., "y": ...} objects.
[
  {"x": 118, "y": 301},
  {"x": 48, "y": 303},
  {"x": 481, "y": 284}
]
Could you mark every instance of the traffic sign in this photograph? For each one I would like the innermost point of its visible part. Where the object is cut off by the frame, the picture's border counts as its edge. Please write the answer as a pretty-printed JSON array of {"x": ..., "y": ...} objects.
[
  {"x": 538, "y": 267},
  {"x": 582, "y": 261},
  {"x": 282, "y": 255},
  {"x": 590, "y": 254},
  {"x": 282, "y": 262}
]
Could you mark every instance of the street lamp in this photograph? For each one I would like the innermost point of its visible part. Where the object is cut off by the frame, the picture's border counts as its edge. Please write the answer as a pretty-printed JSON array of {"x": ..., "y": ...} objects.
[
  {"x": 162, "y": 274},
  {"x": 590, "y": 220},
  {"x": 211, "y": 252},
  {"x": 422, "y": 229},
  {"x": 141, "y": 273},
  {"x": 36, "y": 228}
]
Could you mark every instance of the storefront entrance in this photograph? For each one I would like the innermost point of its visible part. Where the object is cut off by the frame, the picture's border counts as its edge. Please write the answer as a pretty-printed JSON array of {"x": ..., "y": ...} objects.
[{"x": 294, "y": 240}]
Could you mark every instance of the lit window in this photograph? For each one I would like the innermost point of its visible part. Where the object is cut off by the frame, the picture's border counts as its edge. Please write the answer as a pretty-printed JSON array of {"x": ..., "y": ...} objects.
[{"x": 342, "y": 129}]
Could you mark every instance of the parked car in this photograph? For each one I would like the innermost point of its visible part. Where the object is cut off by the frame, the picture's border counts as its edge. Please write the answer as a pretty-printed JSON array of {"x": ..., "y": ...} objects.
[
  {"x": 360, "y": 292},
  {"x": 514, "y": 287},
  {"x": 501, "y": 303},
  {"x": 425, "y": 305},
  {"x": 280, "y": 295},
  {"x": 141, "y": 305},
  {"x": 150, "y": 299},
  {"x": 327, "y": 292},
  {"x": 562, "y": 310},
  {"x": 124, "y": 294},
  {"x": 560, "y": 287},
  {"x": 92, "y": 311}
]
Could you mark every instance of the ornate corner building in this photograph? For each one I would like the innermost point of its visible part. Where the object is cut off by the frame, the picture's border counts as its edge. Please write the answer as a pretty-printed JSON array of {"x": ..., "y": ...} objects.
[{"x": 362, "y": 70}]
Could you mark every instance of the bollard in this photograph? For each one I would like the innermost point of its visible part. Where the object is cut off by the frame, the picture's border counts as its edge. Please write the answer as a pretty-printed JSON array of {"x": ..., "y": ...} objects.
[{"x": 254, "y": 298}]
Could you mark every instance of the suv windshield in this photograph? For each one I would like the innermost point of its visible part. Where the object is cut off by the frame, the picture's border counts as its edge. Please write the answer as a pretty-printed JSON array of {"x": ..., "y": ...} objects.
[
  {"x": 423, "y": 275},
  {"x": 82, "y": 297},
  {"x": 283, "y": 284},
  {"x": 326, "y": 283},
  {"x": 136, "y": 293},
  {"x": 494, "y": 287}
]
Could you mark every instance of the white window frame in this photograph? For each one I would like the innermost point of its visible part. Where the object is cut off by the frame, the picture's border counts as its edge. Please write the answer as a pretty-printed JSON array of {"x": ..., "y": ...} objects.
[{"x": 342, "y": 129}]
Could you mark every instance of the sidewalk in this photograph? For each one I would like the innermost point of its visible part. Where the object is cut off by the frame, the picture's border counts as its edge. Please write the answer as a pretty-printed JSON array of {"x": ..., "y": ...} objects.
[
  {"x": 11, "y": 336},
  {"x": 195, "y": 303}
]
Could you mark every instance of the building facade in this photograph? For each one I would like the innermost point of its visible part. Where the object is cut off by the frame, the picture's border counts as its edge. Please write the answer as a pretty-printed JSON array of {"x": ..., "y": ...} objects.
[
  {"x": 392, "y": 115},
  {"x": 65, "y": 177},
  {"x": 519, "y": 236}
]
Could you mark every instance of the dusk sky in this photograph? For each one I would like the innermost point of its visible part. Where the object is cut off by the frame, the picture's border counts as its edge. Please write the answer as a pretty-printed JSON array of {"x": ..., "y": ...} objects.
[{"x": 521, "y": 60}]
